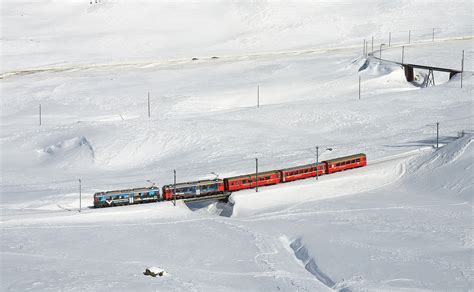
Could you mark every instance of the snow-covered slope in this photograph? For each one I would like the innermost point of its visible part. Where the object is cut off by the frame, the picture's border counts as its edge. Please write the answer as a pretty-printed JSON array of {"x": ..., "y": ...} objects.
[
  {"x": 402, "y": 223},
  {"x": 410, "y": 234},
  {"x": 56, "y": 33}
]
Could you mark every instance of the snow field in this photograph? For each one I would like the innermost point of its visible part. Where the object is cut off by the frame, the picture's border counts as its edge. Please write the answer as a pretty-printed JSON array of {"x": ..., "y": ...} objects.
[{"x": 402, "y": 223}]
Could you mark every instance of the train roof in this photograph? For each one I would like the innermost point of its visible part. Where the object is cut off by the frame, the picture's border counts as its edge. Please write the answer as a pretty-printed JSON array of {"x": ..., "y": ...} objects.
[
  {"x": 252, "y": 175},
  {"x": 350, "y": 157},
  {"x": 194, "y": 183},
  {"x": 126, "y": 191},
  {"x": 302, "y": 166}
]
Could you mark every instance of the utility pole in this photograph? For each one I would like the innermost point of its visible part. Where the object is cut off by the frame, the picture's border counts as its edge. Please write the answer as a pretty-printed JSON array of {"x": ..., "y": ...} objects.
[
  {"x": 148, "y": 104},
  {"x": 389, "y": 38},
  {"x": 256, "y": 175},
  {"x": 317, "y": 162},
  {"x": 359, "y": 87},
  {"x": 372, "y": 45},
  {"x": 409, "y": 36},
  {"x": 462, "y": 67},
  {"x": 433, "y": 34},
  {"x": 40, "y": 111},
  {"x": 80, "y": 195},
  {"x": 174, "y": 188},
  {"x": 437, "y": 135},
  {"x": 258, "y": 96},
  {"x": 403, "y": 53}
]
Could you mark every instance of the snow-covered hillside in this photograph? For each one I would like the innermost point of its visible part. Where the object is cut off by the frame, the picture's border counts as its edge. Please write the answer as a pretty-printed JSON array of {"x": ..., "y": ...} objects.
[
  {"x": 404, "y": 222},
  {"x": 58, "y": 33}
]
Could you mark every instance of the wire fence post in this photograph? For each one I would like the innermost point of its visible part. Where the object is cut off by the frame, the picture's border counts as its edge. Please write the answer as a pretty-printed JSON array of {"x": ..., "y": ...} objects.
[
  {"x": 317, "y": 162},
  {"x": 80, "y": 195},
  {"x": 174, "y": 187},
  {"x": 437, "y": 135},
  {"x": 258, "y": 96},
  {"x": 40, "y": 113},
  {"x": 403, "y": 53},
  {"x": 433, "y": 34},
  {"x": 359, "y": 87},
  {"x": 372, "y": 51},
  {"x": 462, "y": 67},
  {"x": 256, "y": 175},
  {"x": 149, "y": 104},
  {"x": 409, "y": 36}
]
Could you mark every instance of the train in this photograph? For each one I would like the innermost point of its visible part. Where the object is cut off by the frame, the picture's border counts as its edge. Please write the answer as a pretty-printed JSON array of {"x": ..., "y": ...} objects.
[{"x": 204, "y": 188}]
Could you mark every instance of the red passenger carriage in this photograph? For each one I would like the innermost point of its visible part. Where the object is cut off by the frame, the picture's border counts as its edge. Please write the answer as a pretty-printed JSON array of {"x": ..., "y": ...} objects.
[
  {"x": 344, "y": 163},
  {"x": 301, "y": 172},
  {"x": 248, "y": 181}
]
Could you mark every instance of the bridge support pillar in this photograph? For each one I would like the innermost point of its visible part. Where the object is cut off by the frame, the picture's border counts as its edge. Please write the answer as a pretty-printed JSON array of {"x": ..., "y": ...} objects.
[
  {"x": 409, "y": 73},
  {"x": 430, "y": 79}
]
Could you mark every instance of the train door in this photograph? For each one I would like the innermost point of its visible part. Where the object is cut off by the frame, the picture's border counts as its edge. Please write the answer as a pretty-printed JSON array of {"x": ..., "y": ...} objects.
[{"x": 130, "y": 198}]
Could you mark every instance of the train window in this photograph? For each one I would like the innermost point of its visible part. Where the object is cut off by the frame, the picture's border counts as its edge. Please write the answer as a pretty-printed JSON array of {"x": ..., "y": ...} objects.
[
  {"x": 338, "y": 164},
  {"x": 268, "y": 177},
  {"x": 358, "y": 159}
]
